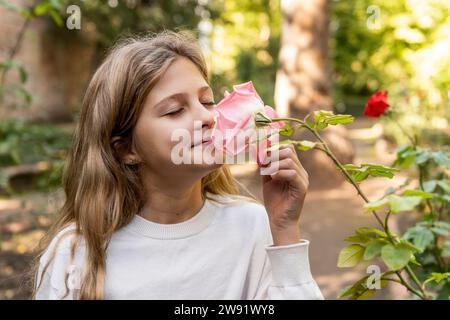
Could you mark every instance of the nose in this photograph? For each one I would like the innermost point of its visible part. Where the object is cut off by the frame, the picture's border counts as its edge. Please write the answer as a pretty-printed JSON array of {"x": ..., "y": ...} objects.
[{"x": 206, "y": 116}]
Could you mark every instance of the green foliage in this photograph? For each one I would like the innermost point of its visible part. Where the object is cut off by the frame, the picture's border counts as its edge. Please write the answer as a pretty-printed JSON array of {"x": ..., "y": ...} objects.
[
  {"x": 360, "y": 290},
  {"x": 350, "y": 256},
  {"x": 24, "y": 143},
  {"x": 437, "y": 277},
  {"x": 423, "y": 246},
  {"x": 363, "y": 171},
  {"x": 401, "y": 46},
  {"x": 286, "y": 130},
  {"x": 127, "y": 17},
  {"x": 406, "y": 155},
  {"x": 367, "y": 245},
  {"x": 17, "y": 91},
  {"x": 373, "y": 248},
  {"x": 396, "y": 256},
  {"x": 407, "y": 201},
  {"x": 323, "y": 118},
  {"x": 245, "y": 41}
]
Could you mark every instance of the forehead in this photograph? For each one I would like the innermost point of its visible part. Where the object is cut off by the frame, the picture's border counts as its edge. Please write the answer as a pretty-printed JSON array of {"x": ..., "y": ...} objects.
[{"x": 182, "y": 76}]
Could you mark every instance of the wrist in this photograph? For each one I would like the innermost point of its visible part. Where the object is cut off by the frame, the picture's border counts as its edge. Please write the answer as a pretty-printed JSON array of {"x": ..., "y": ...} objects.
[{"x": 285, "y": 235}]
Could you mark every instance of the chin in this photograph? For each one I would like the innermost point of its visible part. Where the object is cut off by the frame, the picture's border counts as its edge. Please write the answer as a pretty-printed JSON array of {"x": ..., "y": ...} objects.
[{"x": 206, "y": 167}]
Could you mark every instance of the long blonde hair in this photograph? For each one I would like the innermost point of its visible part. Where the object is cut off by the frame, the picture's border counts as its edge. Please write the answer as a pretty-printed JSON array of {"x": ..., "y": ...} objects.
[{"x": 103, "y": 193}]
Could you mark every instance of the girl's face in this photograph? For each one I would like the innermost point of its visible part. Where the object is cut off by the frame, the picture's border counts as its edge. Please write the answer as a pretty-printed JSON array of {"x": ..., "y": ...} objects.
[{"x": 181, "y": 99}]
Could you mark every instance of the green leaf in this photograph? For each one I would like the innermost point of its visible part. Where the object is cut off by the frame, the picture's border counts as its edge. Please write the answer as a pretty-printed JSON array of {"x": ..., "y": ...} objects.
[
  {"x": 321, "y": 115},
  {"x": 403, "y": 203},
  {"x": 353, "y": 288},
  {"x": 414, "y": 261},
  {"x": 396, "y": 257},
  {"x": 55, "y": 4},
  {"x": 409, "y": 245},
  {"x": 305, "y": 145},
  {"x": 444, "y": 198},
  {"x": 360, "y": 290},
  {"x": 350, "y": 166},
  {"x": 323, "y": 118},
  {"x": 321, "y": 125},
  {"x": 420, "y": 193},
  {"x": 20, "y": 92},
  {"x": 429, "y": 186},
  {"x": 437, "y": 277},
  {"x": 350, "y": 256},
  {"x": 405, "y": 156},
  {"x": 421, "y": 237},
  {"x": 365, "y": 234},
  {"x": 56, "y": 17},
  {"x": 422, "y": 156},
  {"x": 445, "y": 185},
  {"x": 358, "y": 238},
  {"x": 361, "y": 172},
  {"x": 26, "y": 13},
  {"x": 340, "y": 119},
  {"x": 371, "y": 231},
  {"x": 373, "y": 249},
  {"x": 360, "y": 175},
  {"x": 440, "y": 231},
  {"x": 446, "y": 249},
  {"x": 363, "y": 295},
  {"x": 41, "y": 9},
  {"x": 402, "y": 148},
  {"x": 441, "y": 224},
  {"x": 23, "y": 74},
  {"x": 375, "y": 205},
  {"x": 8, "y": 64},
  {"x": 286, "y": 130},
  {"x": 441, "y": 158}
]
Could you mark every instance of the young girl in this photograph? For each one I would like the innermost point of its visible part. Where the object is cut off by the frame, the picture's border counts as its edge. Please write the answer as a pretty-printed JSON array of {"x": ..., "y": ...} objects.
[{"x": 136, "y": 226}]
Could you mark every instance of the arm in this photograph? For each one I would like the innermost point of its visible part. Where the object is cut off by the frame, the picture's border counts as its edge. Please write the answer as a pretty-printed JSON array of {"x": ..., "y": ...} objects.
[{"x": 281, "y": 272}]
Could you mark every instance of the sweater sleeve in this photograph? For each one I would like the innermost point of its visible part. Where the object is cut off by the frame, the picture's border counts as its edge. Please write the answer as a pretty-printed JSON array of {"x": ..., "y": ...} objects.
[
  {"x": 286, "y": 274},
  {"x": 60, "y": 279},
  {"x": 282, "y": 272}
]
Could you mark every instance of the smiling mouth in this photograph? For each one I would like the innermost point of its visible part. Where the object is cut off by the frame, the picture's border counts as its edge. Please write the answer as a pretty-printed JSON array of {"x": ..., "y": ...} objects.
[{"x": 204, "y": 142}]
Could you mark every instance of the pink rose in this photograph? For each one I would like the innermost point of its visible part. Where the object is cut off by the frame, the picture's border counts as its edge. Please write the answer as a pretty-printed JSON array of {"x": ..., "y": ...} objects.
[{"x": 235, "y": 115}]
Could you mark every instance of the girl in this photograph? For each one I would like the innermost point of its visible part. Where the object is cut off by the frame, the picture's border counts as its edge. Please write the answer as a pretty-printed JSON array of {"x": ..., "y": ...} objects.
[{"x": 136, "y": 226}]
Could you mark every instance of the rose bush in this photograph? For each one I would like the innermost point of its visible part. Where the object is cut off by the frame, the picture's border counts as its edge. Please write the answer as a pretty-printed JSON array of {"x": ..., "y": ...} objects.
[{"x": 417, "y": 260}]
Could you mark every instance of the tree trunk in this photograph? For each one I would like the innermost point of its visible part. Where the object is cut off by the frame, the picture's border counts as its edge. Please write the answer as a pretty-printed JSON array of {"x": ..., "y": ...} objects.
[{"x": 303, "y": 83}]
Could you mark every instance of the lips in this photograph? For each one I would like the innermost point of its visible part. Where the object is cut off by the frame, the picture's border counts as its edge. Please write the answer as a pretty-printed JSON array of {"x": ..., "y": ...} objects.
[{"x": 205, "y": 141}]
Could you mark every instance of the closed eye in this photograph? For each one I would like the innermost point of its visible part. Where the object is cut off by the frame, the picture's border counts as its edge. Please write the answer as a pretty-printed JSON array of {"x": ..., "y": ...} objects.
[
  {"x": 179, "y": 111},
  {"x": 176, "y": 112}
]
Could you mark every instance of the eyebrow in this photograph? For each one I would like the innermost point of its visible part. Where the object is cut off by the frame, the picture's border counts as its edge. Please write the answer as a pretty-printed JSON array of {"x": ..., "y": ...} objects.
[{"x": 178, "y": 95}]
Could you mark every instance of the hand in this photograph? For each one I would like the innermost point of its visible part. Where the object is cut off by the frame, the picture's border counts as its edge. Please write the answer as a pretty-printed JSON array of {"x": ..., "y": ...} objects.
[{"x": 284, "y": 192}]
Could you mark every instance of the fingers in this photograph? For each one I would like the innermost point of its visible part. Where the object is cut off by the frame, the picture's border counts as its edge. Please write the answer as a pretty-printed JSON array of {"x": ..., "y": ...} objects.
[
  {"x": 285, "y": 175},
  {"x": 283, "y": 159}
]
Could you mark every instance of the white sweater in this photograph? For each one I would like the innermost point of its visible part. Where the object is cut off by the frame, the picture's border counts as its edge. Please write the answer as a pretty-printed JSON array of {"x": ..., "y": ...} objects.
[{"x": 225, "y": 251}]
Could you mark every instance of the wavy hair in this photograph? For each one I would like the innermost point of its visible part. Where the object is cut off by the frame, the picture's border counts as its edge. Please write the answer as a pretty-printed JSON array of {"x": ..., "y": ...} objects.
[{"x": 102, "y": 193}]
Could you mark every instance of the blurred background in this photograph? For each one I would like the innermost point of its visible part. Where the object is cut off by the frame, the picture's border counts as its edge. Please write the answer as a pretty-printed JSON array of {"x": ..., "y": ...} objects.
[{"x": 301, "y": 56}]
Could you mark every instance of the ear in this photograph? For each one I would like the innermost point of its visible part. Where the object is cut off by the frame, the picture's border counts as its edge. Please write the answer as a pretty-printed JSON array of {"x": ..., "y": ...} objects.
[{"x": 124, "y": 152}]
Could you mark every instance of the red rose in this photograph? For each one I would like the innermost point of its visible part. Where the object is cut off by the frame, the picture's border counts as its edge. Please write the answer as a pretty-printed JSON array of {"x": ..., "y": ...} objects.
[{"x": 376, "y": 105}]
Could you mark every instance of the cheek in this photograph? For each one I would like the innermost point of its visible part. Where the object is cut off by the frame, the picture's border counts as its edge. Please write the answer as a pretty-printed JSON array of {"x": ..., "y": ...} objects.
[{"x": 154, "y": 139}]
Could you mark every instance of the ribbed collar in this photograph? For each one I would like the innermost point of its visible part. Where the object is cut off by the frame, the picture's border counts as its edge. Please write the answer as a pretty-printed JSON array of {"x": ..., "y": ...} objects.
[{"x": 184, "y": 229}]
